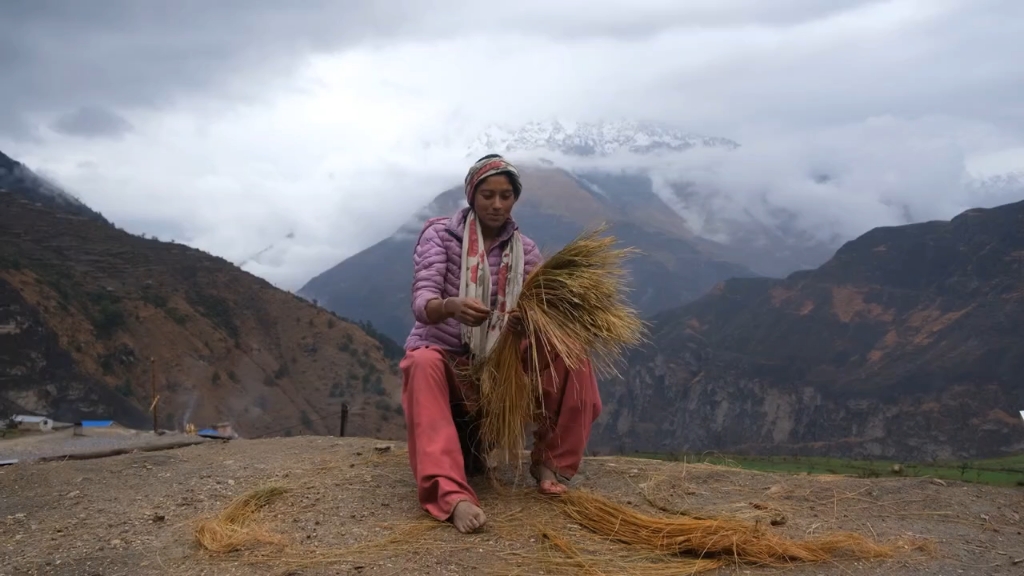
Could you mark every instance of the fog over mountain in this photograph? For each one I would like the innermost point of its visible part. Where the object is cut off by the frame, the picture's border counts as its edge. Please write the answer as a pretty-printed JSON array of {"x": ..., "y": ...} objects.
[{"x": 229, "y": 126}]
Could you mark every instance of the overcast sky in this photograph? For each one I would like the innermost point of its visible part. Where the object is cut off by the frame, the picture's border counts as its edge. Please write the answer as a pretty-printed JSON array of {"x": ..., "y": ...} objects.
[{"x": 229, "y": 124}]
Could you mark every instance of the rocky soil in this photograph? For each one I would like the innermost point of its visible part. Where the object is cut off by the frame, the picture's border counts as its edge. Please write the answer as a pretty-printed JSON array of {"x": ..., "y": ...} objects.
[{"x": 351, "y": 509}]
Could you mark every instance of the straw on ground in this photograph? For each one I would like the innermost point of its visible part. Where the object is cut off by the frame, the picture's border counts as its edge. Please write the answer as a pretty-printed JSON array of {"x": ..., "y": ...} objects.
[
  {"x": 609, "y": 538},
  {"x": 745, "y": 542},
  {"x": 235, "y": 527}
]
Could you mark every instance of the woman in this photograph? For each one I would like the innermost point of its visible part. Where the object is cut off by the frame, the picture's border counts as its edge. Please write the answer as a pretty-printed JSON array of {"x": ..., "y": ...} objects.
[{"x": 468, "y": 271}]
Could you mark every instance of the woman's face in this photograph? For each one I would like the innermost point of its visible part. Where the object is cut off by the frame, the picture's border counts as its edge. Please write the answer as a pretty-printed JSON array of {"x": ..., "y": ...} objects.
[{"x": 493, "y": 201}]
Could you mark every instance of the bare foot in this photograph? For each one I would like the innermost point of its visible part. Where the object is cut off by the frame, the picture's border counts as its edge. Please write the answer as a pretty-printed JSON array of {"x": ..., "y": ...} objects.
[
  {"x": 468, "y": 517},
  {"x": 547, "y": 482}
]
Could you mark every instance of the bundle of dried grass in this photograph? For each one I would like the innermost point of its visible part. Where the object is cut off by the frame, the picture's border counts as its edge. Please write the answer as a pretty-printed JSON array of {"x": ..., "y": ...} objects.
[
  {"x": 743, "y": 541},
  {"x": 572, "y": 307},
  {"x": 234, "y": 528}
]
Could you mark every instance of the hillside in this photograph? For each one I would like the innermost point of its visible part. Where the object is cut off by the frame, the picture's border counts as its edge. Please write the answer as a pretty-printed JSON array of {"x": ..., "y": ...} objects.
[
  {"x": 674, "y": 268},
  {"x": 17, "y": 178},
  {"x": 349, "y": 509},
  {"x": 84, "y": 306},
  {"x": 905, "y": 345}
]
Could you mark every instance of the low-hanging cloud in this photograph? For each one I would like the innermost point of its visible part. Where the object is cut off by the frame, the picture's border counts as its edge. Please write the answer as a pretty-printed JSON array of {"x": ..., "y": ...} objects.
[
  {"x": 245, "y": 121},
  {"x": 837, "y": 182}
]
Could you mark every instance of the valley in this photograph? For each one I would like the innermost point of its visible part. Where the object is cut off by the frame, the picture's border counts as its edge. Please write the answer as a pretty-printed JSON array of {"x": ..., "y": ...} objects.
[{"x": 894, "y": 346}]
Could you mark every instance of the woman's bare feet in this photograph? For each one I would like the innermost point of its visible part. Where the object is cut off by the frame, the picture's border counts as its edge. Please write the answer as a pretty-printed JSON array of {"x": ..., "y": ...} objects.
[
  {"x": 468, "y": 517},
  {"x": 547, "y": 482}
]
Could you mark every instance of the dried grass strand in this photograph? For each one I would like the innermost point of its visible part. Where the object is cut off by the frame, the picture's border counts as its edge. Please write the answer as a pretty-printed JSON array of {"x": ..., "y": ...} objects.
[
  {"x": 573, "y": 308},
  {"x": 625, "y": 563},
  {"x": 234, "y": 528},
  {"x": 408, "y": 539},
  {"x": 745, "y": 542}
]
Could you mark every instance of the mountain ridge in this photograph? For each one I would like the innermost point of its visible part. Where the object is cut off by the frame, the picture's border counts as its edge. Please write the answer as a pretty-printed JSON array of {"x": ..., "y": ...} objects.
[
  {"x": 374, "y": 285},
  {"x": 902, "y": 345},
  {"x": 590, "y": 139},
  {"x": 18, "y": 178},
  {"x": 85, "y": 306}
]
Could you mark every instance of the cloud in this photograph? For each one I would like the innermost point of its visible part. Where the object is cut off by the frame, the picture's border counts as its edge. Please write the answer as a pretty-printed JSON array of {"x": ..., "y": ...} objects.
[
  {"x": 229, "y": 124},
  {"x": 61, "y": 53},
  {"x": 834, "y": 182},
  {"x": 92, "y": 121}
]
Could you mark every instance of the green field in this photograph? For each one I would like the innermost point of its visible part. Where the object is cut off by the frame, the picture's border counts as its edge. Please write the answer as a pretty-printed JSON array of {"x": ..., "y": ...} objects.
[{"x": 1007, "y": 471}]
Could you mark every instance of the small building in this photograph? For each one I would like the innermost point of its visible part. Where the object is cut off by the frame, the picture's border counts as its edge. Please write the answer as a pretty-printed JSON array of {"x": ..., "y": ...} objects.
[
  {"x": 34, "y": 423},
  {"x": 91, "y": 424},
  {"x": 222, "y": 431},
  {"x": 96, "y": 423},
  {"x": 225, "y": 429}
]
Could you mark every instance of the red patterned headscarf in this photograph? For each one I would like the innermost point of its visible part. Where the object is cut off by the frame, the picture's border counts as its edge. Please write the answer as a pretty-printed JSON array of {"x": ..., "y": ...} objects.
[{"x": 489, "y": 166}]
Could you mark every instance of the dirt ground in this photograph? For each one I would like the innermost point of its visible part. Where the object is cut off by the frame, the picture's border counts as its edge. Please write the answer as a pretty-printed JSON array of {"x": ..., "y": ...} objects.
[
  {"x": 352, "y": 510},
  {"x": 32, "y": 446}
]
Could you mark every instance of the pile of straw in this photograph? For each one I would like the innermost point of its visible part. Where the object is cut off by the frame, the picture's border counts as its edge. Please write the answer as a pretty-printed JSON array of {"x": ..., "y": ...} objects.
[
  {"x": 614, "y": 540},
  {"x": 572, "y": 307},
  {"x": 710, "y": 538},
  {"x": 234, "y": 528}
]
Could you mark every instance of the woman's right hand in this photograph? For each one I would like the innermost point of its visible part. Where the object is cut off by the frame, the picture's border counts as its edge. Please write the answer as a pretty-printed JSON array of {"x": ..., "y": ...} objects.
[{"x": 468, "y": 311}]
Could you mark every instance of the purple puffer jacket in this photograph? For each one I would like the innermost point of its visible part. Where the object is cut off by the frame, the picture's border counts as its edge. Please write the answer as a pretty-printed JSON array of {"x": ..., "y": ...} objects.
[{"x": 437, "y": 263}]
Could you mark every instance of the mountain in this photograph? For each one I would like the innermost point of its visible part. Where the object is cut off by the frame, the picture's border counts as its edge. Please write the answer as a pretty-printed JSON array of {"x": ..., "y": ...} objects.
[
  {"x": 592, "y": 138},
  {"x": 774, "y": 247},
  {"x": 375, "y": 284},
  {"x": 906, "y": 344},
  {"x": 84, "y": 306},
  {"x": 748, "y": 230},
  {"x": 771, "y": 220},
  {"x": 17, "y": 178}
]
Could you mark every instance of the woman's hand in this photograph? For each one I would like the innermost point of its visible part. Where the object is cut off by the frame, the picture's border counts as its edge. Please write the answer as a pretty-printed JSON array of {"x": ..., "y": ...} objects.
[
  {"x": 468, "y": 311},
  {"x": 514, "y": 323}
]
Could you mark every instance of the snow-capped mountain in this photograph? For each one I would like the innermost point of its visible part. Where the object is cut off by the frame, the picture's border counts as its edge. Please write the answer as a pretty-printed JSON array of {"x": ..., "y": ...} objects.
[
  {"x": 641, "y": 165},
  {"x": 701, "y": 208},
  {"x": 592, "y": 139}
]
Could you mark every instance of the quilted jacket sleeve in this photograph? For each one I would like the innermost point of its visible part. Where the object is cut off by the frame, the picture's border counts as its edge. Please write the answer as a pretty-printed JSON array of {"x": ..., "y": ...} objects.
[
  {"x": 430, "y": 261},
  {"x": 531, "y": 256}
]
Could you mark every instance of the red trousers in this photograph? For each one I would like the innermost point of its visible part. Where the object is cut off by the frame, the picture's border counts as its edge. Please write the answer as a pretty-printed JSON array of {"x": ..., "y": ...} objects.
[{"x": 434, "y": 399}]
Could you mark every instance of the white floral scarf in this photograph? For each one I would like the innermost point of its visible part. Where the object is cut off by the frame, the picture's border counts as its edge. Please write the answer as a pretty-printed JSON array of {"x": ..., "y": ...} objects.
[{"x": 475, "y": 282}]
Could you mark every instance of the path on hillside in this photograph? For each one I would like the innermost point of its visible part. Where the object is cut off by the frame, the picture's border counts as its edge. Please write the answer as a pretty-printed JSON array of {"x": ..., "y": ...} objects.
[
  {"x": 34, "y": 446},
  {"x": 133, "y": 514}
]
